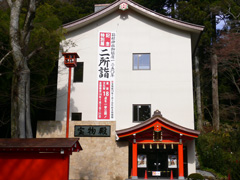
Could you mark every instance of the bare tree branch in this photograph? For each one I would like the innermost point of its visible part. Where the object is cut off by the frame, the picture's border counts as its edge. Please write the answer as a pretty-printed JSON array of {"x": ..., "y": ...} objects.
[
  {"x": 14, "y": 29},
  {"x": 28, "y": 24},
  {"x": 34, "y": 52},
  {"x": 5, "y": 57},
  {"x": 3, "y": 121},
  {"x": 9, "y": 3},
  {"x": 229, "y": 11}
]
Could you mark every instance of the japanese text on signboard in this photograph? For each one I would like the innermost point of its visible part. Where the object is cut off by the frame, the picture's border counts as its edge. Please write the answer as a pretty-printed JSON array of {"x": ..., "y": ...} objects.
[{"x": 92, "y": 131}]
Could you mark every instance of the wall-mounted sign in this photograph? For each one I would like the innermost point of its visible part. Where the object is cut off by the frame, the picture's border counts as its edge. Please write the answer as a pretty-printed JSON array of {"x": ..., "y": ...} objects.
[
  {"x": 92, "y": 131},
  {"x": 142, "y": 161},
  {"x": 106, "y": 76},
  {"x": 156, "y": 173},
  {"x": 172, "y": 161}
]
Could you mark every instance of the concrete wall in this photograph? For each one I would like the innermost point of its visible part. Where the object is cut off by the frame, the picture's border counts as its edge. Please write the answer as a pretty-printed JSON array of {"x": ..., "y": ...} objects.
[
  {"x": 101, "y": 157},
  {"x": 167, "y": 86}
]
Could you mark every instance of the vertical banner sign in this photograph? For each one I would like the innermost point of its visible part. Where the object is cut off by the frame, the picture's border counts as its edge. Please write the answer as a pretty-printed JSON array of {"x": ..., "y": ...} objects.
[{"x": 106, "y": 76}]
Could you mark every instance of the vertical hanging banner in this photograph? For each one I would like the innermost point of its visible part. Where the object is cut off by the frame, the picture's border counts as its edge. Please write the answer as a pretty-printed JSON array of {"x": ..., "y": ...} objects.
[{"x": 106, "y": 76}]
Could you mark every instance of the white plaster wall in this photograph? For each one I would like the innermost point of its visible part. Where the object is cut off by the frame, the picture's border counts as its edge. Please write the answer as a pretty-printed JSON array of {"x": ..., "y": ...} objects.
[
  {"x": 191, "y": 157},
  {"x": 167, "y": 86}
]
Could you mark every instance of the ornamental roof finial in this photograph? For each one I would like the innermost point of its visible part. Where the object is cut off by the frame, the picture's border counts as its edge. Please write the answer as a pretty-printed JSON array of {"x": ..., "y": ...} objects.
[{"x": 157, "y": 113}]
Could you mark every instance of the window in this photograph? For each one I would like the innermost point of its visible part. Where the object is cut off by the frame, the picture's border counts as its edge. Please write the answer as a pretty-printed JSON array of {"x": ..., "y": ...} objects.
[
  {"x": 141, "y": 61},
  {"x": 76, "y": 116},
  {"x": 78, "y": 72},
  {"x": 141, "y": 112}
]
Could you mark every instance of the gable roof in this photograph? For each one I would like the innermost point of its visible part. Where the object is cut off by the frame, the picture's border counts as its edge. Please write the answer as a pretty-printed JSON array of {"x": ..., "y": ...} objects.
[
  {"x": 136, "y": 7},
  {"x": 158, "y": 119},
  {"x": 194, "y": 29}
]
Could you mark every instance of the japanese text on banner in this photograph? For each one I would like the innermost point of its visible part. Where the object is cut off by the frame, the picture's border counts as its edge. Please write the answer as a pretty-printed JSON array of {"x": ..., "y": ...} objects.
[{"x": 106, "y": 76}]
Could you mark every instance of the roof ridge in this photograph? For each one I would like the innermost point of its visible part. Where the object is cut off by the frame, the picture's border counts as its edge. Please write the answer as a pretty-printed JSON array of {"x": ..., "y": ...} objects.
[{"x": 137, "y": 7}]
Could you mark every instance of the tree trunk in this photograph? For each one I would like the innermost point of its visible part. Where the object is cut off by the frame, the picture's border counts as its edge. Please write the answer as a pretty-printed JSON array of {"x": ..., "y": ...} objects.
[
  {"x": 20, "y": 112},
  {"x": 198, "y": 94},
  {"x": 28, "y": 117},
  {"x": 20, "y": 98},
  {"x": 215, "y": 100}
]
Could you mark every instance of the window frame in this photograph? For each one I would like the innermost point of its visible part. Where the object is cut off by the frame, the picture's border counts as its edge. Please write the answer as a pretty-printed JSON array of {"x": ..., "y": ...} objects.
[
  {"x": 76, "y": 113},
  {"x": 138, "y": 121},
  {"x": 138, "y": 61},
  {"x": 74, "y": 78}
]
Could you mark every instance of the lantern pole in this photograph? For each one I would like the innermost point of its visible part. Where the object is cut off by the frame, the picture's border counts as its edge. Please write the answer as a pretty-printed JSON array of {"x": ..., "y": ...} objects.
[
  {"x": 68, "y": 101},
  {"x": 70, "y": 60}
]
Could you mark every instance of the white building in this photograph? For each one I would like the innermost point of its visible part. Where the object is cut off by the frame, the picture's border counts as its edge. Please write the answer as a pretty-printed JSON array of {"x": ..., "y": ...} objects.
[{"x": 132, "y": 62}]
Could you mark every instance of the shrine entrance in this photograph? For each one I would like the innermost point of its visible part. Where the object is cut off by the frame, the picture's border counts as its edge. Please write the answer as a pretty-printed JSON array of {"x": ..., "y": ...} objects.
[
  {"x": 158, "y": 160},
  {"x": 157, "y": 148},
  {"x": 157, "y": 164}
]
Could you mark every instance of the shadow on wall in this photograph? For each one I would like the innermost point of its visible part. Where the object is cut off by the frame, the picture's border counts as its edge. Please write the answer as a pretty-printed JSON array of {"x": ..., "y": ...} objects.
[
  {"x": 61, "y": 111},
  {"x": 56, "y": 128}
]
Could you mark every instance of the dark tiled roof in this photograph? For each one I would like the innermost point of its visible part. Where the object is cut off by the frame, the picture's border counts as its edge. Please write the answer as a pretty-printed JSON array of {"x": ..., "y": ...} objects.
[{"x": 39, "y": 144}]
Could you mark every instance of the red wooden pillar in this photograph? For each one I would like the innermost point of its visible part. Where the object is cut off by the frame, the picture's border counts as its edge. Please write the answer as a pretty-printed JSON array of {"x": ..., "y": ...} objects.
[
  {"x": 180, "y": 162},
  {"x": 68, "y": 101},
  {"x": 134, "y": 161}
]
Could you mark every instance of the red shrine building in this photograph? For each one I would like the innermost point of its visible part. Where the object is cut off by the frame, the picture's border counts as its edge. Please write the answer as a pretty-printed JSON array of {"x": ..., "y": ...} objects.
[
  {"x": 131, "y": 92},
  {"x": 158, "y": 143}
]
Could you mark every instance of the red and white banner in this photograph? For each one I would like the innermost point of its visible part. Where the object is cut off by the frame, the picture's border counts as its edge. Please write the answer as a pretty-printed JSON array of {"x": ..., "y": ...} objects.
[{"x": 106, "y": 76}]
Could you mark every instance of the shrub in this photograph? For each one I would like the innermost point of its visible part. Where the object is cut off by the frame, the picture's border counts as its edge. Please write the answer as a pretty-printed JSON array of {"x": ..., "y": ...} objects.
[
  {"x": 195, "y": 176},
  {"x": 235, "y": 172},
  {"x": 219, "y": 150}
]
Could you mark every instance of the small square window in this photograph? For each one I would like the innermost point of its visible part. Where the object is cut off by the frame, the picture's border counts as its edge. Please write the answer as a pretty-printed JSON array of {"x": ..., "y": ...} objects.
[
  {"x": 76, "y": 116},
  {"x": 141, "y": 61},
  {"x": 141, "y": 112},
  {"x": 78, "y": 72}
]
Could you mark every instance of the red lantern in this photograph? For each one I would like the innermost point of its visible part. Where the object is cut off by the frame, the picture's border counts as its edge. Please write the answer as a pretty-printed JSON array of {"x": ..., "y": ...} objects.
[{"x": 70, "y": 59}]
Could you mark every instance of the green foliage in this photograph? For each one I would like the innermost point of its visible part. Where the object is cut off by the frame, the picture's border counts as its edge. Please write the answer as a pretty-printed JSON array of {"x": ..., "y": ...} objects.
[
  {"x": 65, "y": 12},
  {"x": 47, "y": 35},
  {"x": 219, "y": 150},
  {"x": 156, "y": 5},
  {"x": 235, "y": 172},
  {"x": 46, "y": 18},
  {"x": 4, "y": 30},
  {"x": 195, "y": 176},
  {"x": 198, "y": 12},
  {"x": 85, "y": 7},
  {"x": 5, "y": 73}
]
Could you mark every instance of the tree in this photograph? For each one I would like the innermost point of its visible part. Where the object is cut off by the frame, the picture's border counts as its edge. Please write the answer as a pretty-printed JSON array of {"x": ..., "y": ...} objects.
[
  {"x": 35, "y": 45},
  {"x": 44, "y": 43},
  {"x": 228, "y": 51},
  {"x": 215, "y": 98},
  {"x": 20, "y": 97},
  {"x": 198, "y": 94},
  {"x": 198, "y": 12}
]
